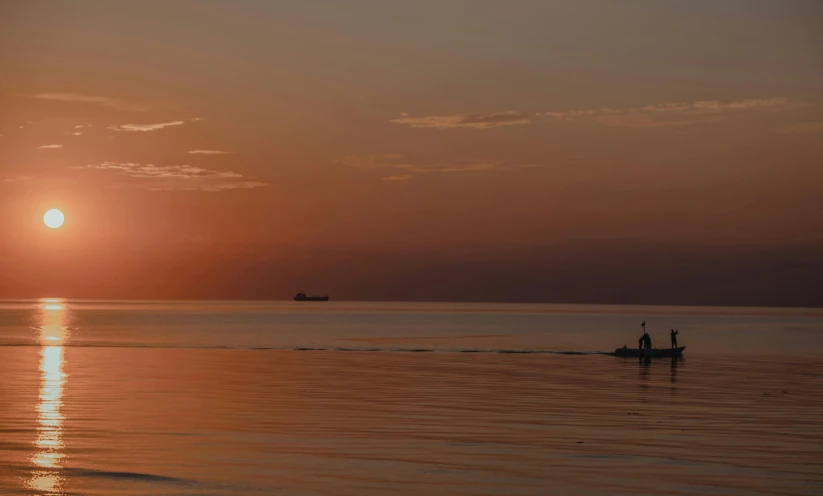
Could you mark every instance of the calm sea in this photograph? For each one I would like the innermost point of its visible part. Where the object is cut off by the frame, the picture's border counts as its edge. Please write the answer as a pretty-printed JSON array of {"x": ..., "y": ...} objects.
[{"x": 258, "y": 398}]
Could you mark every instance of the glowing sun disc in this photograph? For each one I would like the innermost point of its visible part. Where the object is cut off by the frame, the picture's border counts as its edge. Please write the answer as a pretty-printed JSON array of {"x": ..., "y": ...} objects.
[{"x": 54, "y": 218}]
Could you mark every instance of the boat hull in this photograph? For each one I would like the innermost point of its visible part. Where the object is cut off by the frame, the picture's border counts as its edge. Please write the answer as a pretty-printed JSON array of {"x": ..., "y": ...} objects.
[
  {"x": 651, "y": 353},
  {"x": 313, "y": 298}
]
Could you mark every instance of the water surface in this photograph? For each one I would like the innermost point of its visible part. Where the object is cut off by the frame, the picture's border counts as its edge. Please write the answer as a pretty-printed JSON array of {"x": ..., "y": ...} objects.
[{"x": 237, "y": 398}]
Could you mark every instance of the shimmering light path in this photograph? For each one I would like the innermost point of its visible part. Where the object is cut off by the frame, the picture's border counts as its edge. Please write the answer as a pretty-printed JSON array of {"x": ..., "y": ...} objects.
[{"x": 101, "y": 420}]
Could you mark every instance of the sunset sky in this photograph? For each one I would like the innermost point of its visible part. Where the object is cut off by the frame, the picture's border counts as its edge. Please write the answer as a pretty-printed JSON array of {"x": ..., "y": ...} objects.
[{"x": 559, "y": 151}]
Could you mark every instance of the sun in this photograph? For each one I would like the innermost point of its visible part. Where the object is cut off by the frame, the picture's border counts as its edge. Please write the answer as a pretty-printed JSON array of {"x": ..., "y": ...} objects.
[{"x": 54, "y": 218}]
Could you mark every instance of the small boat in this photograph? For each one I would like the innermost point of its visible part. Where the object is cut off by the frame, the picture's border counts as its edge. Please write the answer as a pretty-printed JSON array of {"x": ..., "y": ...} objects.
[
  {"x": 304, "y": 297},
  {"x": 625, "y": 352}
]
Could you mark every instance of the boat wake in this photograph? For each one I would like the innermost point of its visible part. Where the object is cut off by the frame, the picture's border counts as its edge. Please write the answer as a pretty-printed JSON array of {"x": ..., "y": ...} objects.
[
  {"x": 526, "y": 351},
  {"x": 523, "y": 351}
]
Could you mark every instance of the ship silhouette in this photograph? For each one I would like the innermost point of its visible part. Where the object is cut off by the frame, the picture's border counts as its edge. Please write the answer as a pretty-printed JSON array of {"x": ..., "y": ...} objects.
[{"x": 304, "y": 297}]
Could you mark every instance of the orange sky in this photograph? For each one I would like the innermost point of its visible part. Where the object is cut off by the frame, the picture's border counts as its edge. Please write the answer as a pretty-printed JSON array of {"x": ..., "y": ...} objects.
[{"x": 526, "y": 150}]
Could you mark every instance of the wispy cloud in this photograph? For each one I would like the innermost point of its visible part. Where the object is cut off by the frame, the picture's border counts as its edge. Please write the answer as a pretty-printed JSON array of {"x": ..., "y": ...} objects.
[
  {"x": 114, "y": 103},
  {"x": 177, "y": 177},
  {"x": 398, "y": 162},
  {"x": 208, "y": 152},
  {"x": 145, "y": 127},
  {"x": 211, "y": 186},
  {"x": 657, "y": 115},
  {"x": 671, "y": 114},
  {"x": 803, "y": 128},
  {"x": 472, "y": 121},
  {"x": 75, "y": 133},
  {"x": 17, "y": 179},
  {"x": 570, "y": 115},
  {"x": 714, "y": 106},
  {"x": 48, "y": 147}
]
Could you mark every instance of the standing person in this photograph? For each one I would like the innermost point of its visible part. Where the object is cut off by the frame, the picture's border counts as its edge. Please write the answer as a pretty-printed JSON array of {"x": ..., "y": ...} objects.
[
  {"x": 645, "y": 340},
  {"x": 674, "y": 337}
]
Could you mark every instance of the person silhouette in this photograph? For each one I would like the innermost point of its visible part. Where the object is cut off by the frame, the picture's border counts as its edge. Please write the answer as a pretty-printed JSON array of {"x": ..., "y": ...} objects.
[
  {"x": 674, "y": 337},
  {"x": 645, "y": 341}
]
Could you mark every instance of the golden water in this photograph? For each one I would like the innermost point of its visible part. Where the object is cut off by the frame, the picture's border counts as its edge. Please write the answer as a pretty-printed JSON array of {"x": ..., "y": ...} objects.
[{"x": 96, "y": 404}]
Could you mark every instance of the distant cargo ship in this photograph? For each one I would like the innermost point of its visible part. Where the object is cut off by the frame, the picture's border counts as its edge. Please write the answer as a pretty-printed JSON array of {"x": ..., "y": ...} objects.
[{"x": 303, "y": 297}]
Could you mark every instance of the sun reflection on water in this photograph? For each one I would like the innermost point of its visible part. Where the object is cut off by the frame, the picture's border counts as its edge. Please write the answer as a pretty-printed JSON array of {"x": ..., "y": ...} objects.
[{"x": 49, "y": 447}]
